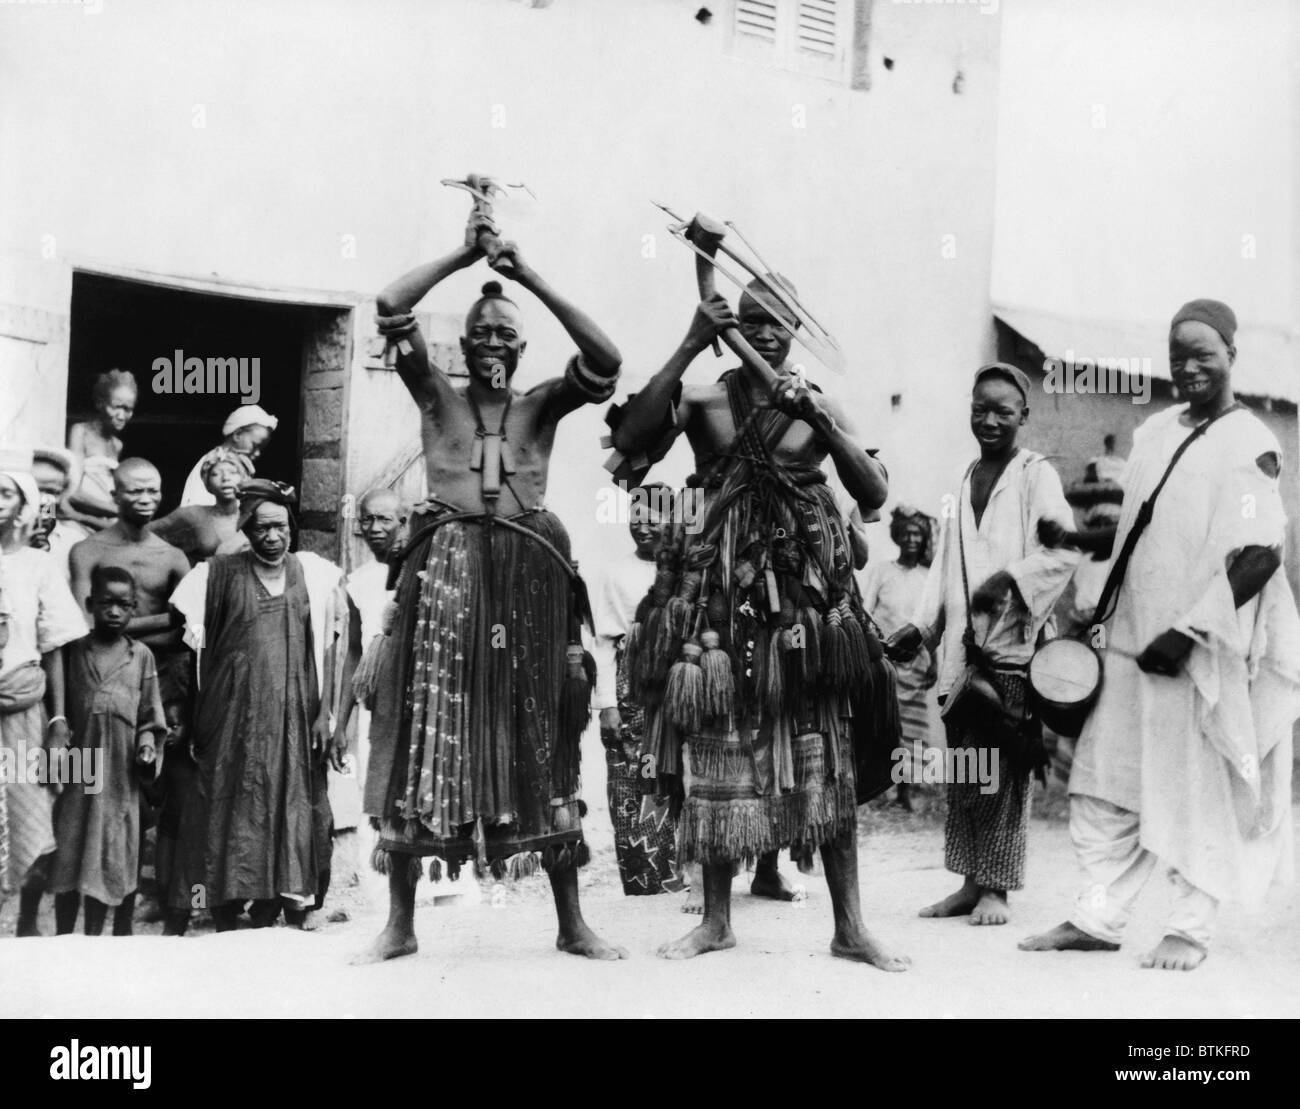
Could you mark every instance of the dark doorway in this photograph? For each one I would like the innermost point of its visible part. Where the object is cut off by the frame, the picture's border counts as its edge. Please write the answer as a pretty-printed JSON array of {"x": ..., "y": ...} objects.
[{"x": 126, "y": 325}]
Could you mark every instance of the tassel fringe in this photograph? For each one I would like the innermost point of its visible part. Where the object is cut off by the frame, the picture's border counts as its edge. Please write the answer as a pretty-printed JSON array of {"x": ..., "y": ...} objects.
[{"x": 365, "y": 679}]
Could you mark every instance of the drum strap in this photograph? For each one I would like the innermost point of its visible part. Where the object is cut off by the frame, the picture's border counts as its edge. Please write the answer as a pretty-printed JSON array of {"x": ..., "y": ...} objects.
[
  {"x": 968, "y": 639},
  {"x": 1110, "y": 592}
]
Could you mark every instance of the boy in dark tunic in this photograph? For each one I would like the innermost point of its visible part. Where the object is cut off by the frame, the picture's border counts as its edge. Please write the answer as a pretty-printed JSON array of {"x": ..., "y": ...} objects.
[{"x": 116, "y": 716}]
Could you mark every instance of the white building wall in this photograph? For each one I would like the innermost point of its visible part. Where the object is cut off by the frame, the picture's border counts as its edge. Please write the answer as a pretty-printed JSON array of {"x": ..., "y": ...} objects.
[{"x": 298, "y": 145}]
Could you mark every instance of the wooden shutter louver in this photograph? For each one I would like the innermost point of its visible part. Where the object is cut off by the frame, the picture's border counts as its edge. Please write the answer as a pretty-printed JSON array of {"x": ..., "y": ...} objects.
[
  {"x": 757, "y": 19},
  {"x": 812, "y": 37},
  {"x": 816, "y": 28}
]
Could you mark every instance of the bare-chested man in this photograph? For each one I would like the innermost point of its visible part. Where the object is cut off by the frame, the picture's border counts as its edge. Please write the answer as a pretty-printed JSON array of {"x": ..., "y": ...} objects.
[
  {"x": 469, "y": 706},
  {"x": 770, "y": 564},
  {"x": 155, "y": 564}
]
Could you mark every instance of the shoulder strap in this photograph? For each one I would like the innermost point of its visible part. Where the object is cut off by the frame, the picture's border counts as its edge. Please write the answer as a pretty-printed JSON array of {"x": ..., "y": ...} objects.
[
  {"x": 1110, "y": 592},
  {"x": 961, "y": 550}
]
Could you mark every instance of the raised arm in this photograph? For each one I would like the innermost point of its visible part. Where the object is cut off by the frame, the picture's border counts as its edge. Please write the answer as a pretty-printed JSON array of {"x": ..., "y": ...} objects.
[
  {"x": 592, "y": 379},
  {"x": 598, "y": 351},
  {"x": 646, "y": 414},
  {"x": 424, "y": 381},
  {"x": 865, "y": 479}
]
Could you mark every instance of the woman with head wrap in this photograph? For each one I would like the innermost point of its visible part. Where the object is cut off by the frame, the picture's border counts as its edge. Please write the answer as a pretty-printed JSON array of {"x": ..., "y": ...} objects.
[
  {"x": 37, "y": 617},
  {"x": 890, "y": 592},
  {"x": 200, "y": 529},
  {"x": 244, "y": 434}
]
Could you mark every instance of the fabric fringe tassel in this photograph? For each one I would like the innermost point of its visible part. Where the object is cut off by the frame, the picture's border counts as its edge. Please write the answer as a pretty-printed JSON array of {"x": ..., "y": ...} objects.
[
  {"x": 435, "y": 869},
  {"x": 724, "y": 831},
  {"x": 719, "y": 681},
  {"x": 775, "y": 672},
  {"x": 681, "y": 609},
  {"x": 662, "y": 743},
  {"x": 566, "y": 857},
  {"x": 382, "y": 861},
  {"x": 684, "y": 695},
  {"x": 859, "y": 657},
  {"x": 757, "y": 679},
  {"x": 782, "y": 752},
  {"x": 809, "y": 621},
  {"x": 887, "y": 719},
  {"x": 837, "y": 666},
  {"x": 365, "y": 679},
  {"x": 574, "y": 716},
  {"x": 632, "y": 646},
  {"x": 718, "y": 759}
]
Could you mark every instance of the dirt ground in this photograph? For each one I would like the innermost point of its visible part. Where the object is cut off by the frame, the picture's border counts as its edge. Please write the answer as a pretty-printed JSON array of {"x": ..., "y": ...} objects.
[{"x": 490, "y": 952}]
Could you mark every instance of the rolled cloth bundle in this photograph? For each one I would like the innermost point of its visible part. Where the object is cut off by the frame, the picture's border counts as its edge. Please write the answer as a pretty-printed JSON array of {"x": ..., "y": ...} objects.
[{"x": 258, "y": 491}]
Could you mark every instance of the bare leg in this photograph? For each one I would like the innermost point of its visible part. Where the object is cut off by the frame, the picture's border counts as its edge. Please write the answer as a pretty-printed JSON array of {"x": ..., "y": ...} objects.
[
  {"x": 852, "y": 940},
  {"x": 398, "y": 936},
  {"x": 29, "y": 907},
  {"x": 575, "y": 937},
  {"x": 66, "y": 907},
  {"x": 956, "y": 904},
  {"x": 714, "y": 931},
  {"x": 695, "y": 895},
  {"x": 95, "y": 913},
  {"x": 1066, "y": 937},
  {"x": 122, "y": 922},
  {"x": 768, "y": 880},
  {"x": 1175, "y": 953}
]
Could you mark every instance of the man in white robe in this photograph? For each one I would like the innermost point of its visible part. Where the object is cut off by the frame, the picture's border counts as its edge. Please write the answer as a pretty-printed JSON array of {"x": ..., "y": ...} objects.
[
  {"x": 1186, "y": 758},
  {"x": 1013, "y": 581}
]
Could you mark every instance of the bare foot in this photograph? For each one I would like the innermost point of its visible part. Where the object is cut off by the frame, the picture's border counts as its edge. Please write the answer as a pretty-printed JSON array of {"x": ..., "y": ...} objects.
[
  {"x": 392, "y": 943},
  {"x": 585, "y": 942},
  {"x": 694, "y": 902},
  {"x": 865, "y": 948},
  {"x": 955, "y": 904},
  {"x": 771, "y": 883},
  {"x": 1066, "y": 937},
  {"x": 1175, "y": 953},
  {"x": 707, "y": 937},
  {"x": 990, "y": 909}
]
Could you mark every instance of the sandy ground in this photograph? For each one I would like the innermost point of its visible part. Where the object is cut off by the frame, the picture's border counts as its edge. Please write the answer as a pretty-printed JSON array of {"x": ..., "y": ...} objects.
[{"x": 494, "y": 956}]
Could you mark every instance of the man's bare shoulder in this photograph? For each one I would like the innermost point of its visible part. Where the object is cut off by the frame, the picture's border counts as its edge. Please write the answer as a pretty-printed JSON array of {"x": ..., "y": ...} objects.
[
  {"x": 712, "y": 393},
  {"x": 539, "y": 392},
  {"x": 701, "y": 400}
]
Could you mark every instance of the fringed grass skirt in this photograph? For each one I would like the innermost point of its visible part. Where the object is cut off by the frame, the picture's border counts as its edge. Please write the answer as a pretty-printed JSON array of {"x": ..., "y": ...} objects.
[{"x": 734, "y": 809}]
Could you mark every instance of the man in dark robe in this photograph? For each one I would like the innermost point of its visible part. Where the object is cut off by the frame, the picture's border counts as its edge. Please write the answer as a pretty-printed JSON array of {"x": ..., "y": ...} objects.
[{"x": 264, "y": 622}]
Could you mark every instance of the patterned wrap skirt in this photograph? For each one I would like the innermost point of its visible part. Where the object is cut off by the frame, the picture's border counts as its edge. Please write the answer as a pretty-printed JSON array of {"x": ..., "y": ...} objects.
[{"x": 465, "y": 728}]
